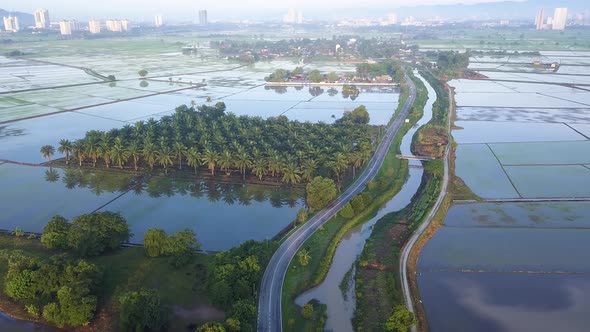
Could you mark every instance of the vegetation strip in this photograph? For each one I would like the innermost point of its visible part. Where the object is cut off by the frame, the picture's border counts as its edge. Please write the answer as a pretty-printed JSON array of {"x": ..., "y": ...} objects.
[{"x": 323, "y": 244}]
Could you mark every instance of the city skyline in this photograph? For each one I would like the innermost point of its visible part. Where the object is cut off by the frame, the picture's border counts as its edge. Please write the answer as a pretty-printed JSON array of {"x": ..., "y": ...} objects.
[{"x": 180, "y": 10}]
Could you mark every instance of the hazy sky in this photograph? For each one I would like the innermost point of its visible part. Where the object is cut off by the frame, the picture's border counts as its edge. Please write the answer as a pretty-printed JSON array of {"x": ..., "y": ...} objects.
[{"x": 219, "y": 9}]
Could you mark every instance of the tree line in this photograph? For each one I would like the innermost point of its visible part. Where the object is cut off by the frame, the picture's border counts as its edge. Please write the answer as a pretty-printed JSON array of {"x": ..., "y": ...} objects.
[{"x": 274, "y": 149}]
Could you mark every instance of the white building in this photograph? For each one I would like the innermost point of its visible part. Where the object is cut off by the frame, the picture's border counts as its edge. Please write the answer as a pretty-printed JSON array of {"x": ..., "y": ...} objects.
[
  {"x": 125, "y": 25},
  {"x": 299, "y": 17},
  {"x": 42, "y": 19},
  {"x": 559, "y": 18},
  {"x": 65, "y": 28},
  {"x": 290, "y": 17},
  {"x": 75, "y": 25},
  {"x": 392, "y": 19},
  {"x": 203, "y": 17},
  {"x": 158, "y": 21},
  {"x": 114, "y": 25},
  {"x": 94, "y": 26},
  {"x": 540, "y": 19},
  {"x": 11, "y": 24}
]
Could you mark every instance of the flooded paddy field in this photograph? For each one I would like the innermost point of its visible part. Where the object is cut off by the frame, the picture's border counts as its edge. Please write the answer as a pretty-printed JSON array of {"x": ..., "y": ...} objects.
[
  {"x": 222, "y": 215},
  {"x": 508, "y": 266},
  {"x": 516, "y": 266},
  {"x": 69, "y": 81},
  {"x": 514, "y": 302}
]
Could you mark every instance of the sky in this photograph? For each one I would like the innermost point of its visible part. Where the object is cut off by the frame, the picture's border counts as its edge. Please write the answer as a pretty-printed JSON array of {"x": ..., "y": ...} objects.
[{"x": 218, "y": 9}]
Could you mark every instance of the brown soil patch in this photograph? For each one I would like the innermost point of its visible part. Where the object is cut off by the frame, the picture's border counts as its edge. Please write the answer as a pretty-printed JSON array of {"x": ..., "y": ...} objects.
[
  {"x": 432, "y": 142},
  {"x": 200, "y": 313}
]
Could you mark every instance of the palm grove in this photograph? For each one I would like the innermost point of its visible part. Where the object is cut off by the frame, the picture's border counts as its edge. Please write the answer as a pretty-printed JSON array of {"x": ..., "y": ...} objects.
[{"x": 271, "y": 150}]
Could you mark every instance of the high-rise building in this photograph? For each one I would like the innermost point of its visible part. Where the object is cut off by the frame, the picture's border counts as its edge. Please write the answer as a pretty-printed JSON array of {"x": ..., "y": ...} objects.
[
  {"x": 125, "y": 25},
  {"x": 114, "y": 25},
  {"x": 559, "y": 18},
  {"x": 540, "y": 19},
  {"x": 202, "y": 17},
  {"x": 392, "y": 18},
  {"x": 65, "y": 27},
  {"x": 299, "y": 17},
  {"x": 290, "y": 17},
  {"x": 11, "y": 24},
  {"x": 158, "y": 21},
  {"x": 42, "y": 19},
  {"x": 94, "y": 26}
]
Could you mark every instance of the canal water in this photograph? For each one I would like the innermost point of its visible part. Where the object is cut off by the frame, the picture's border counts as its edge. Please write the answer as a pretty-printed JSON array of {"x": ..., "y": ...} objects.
[
  {"x": 341, "y": 306},
  {"x": 9, "y": 324}
]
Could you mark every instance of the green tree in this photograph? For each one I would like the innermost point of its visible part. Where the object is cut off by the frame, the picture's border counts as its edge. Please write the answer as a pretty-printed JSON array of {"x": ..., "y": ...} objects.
[
  {"x": 149, "y": 154},
  {"x": 92, "y": 234},
  {"x": 320, "y": 192},
  {"x": 210, "y": 158},
  {"x": 307, "y": 311},
  {"x": 143, "y": 73},
  {"x": 401, "y": 319},
  {"x": 233, "y": 324},
  {"x": 304, "y": 257},
  {"x": 134, "y": 153},
  {"x": 119, "y": 154},
  {"x": 55, "y": 233},
  {"x": 211, "y": 327},
  {"x": 142, "y": 310},
  {"x": 193, "y": 158},
  {"x": 74, "y": 307},
  {"x": 182, "y": 246},
  {"x": 347, "y": 212},
  {"x": 301, "y": 216},
  {"x": 164, "y": 157},
  {"x": 155, "y": 242},
  {"x": 315, "y": 76},
  {"x": 47, "y": 151},
  {"x": 333, "y": 77},
  {"x": 179, "y": 151},
  {"x": 65, "y": 147}
]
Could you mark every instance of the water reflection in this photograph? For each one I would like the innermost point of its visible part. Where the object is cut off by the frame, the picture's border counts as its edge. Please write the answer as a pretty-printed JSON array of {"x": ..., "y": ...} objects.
[{"x": 155, "y": 186}]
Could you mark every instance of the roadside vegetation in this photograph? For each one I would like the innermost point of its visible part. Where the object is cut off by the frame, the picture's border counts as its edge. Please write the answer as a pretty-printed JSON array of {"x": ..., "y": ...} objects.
[
  {"x": 322, "y": 245},
  {"x": 77, "y": 275}
]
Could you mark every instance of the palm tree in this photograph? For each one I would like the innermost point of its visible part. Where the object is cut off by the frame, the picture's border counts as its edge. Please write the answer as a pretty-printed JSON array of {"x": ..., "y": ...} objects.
[
  {"x": 179, "y": 151},
  {"x": 148, "y": 153},
  {"x": 104, "y": 149},
  {"x": 47, "y": 151},
  {"x": 210, "y": 157},
  {"x": 304, "y": 257},
  {"x": 291, "y": 173},
  {"x": 91, "y": 149},
  {"x": 164, "y": 157},
  {"x": 308, "y": 169},
  {"x": 79, "y": 151},
  {"x": 65, "y": 147},
  {"x": 259, "y": 168},
  {"x": 338, "y": 166},
  {"x": 118, "y": 153},
  {"x": 243, "y": 162},
  {"x": 274, "y": 163},
  {"x": 226, "y": 161},
  {"x": 134, "y": 152},
  {"x": 193, "y": 158},
  {"x": 356, "y": 159}
]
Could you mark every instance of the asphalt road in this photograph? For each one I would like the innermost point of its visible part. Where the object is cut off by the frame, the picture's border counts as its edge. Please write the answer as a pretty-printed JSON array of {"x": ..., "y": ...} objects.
[
  {"x": 408, "y": 248},
  {"x": 271, "y": 288}
]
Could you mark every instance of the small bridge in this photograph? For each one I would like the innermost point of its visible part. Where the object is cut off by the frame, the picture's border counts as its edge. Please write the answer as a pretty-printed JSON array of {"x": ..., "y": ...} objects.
[{"x": 422, "y": 158}]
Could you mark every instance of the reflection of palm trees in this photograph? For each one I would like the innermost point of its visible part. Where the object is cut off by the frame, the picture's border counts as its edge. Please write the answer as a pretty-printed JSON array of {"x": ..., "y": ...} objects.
[{"x": 51, "y": 175}]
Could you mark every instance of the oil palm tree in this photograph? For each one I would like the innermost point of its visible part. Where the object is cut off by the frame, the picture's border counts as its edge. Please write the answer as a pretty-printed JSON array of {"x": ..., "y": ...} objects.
[
  {"x": 79, "y": 151},
  {"x": 179, "y": 151},
  {"x": 148, "y": 153},
  {"x": 104, "y": 149},
  {"x": 226, "y": 161},
  {"x": 119, "y": 154},
  {"x": 259, "y": 168},
  {"x": 47, "y": 151},
  {"x": 134, "y": 153},
  {"x": 210, "y": 157},
  {"x": 308, "y": 169},
  {"x": 65, "y": 147},
  {"x": 291, "y": 173},
  {"x": 356, "y": 159},
  {"x": 193, "y": 158},
  {"x": 164, "y": 157},
  {"x": 243, "y": 162}
]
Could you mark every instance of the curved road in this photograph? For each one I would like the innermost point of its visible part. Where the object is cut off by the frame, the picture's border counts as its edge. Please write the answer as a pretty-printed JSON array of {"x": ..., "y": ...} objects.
[
  {"x": 271, "y": 288},
  {"x": 408, "y": 248}
]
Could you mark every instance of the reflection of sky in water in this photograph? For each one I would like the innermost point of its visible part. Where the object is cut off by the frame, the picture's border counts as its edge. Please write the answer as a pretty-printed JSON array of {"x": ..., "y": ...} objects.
[{"x": 505, "y": 302}]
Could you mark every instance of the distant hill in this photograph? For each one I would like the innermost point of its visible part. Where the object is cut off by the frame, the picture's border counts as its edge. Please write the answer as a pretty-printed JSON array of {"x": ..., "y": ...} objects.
[{"x": 24, "y": 19}]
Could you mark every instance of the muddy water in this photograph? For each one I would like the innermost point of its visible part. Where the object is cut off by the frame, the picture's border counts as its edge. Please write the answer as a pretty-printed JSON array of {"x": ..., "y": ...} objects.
[{"x": 341, "y": 306}]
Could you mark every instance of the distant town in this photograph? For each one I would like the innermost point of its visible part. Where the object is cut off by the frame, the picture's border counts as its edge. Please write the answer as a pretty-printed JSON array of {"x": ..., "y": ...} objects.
[{"x": 560, "y": 20}]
